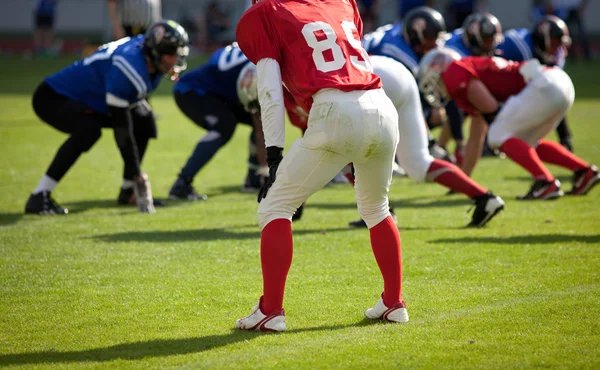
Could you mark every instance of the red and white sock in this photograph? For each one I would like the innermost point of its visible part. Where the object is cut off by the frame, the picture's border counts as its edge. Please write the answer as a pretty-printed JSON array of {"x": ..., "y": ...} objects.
[
  {"x": 385, "y": 241},
  {"x": 525, "y": 156},
  {"x": 452, "y": 177},
  {"x": 554, "y": 153},
  {"x": 276, "y": 249}
]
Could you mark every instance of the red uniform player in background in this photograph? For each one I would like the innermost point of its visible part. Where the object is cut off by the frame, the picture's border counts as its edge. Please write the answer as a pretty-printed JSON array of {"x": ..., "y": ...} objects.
[
  {"x": 535, "y": 98},
  {"x": 314, "y": 48}
]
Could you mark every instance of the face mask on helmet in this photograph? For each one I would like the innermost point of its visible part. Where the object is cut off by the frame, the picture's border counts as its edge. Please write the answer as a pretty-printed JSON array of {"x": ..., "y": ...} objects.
[
  {"x": 247, "y": 88},
  {"x": 167, "y": 38},
  {"x": 482, "y": 32},
  {"x": 433, "y": 64},
  {"x": 550, "y": 36}
]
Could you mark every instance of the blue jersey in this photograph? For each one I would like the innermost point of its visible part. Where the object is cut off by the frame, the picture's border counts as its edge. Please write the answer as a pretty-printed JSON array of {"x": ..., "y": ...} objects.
[
  {"x": 388, "y": 41},
  {"x": 518, "y": 46},
  {"x": 218, "y": 76},
  {"x": 116, "y": 71},
  {"x": 45, "y": 7},
  {"x": 456, "y": 43}
]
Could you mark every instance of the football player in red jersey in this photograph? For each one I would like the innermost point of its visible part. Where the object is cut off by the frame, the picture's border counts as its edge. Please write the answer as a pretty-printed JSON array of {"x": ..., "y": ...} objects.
[
  {"x": 314, "y": 48},
  {"x": 535, "y": 99}
]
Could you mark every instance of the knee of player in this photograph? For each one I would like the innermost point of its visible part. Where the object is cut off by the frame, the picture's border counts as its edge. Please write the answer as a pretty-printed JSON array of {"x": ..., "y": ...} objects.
[{"x": 496, "y": 137}]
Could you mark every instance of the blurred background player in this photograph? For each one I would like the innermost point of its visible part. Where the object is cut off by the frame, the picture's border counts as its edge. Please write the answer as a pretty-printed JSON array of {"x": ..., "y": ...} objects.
[
  {"x": 43, "y": 19},
  {"x": 457, "y": 11},
  {"x": 99, "y": 92},
  {"x": 350, "y": 120},
  {"x": 535, "y": 99},
  {"x": 216, "y": 96},
  {"x": 132, "y": 17},
  {"x": 548, "y": 42}
]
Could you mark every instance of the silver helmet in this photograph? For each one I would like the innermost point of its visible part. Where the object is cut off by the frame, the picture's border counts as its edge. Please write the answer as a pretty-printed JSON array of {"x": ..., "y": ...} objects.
[
  {"x": 247, "y": 88},
  {"x": 431, "y": 67}
]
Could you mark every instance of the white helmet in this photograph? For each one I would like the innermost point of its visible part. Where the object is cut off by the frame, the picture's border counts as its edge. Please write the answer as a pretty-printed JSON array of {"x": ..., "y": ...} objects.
[
  {"x": 247, "y": 88},
  {"x": 430, "y": 70}
]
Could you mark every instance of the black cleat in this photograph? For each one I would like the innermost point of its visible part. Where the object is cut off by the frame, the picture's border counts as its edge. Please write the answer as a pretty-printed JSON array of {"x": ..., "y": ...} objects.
[
  {"x": 254, "y": 182},
  {"x": 543, "y": 190},
  {"x": 43, "y": 204},
  {"x": 362, "y": 224},
  {"x": 584, "y": 180},
  {"x": 127, "y": 197},
  {"x": 298, "y": 214},
  {"x": 486, "y": 207},
  {"x": 182, "y": 189}
]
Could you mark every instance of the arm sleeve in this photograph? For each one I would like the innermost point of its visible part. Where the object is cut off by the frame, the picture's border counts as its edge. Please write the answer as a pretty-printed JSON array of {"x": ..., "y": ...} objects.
[
  {"x": 123, "y": 130},
  {"x": 456, "y": 79},
  {"x": 270, "y": 97},
  {"x": 255, "y": 37}
]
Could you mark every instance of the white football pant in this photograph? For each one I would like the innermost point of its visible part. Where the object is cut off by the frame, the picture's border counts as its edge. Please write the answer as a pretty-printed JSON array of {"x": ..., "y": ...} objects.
[
  {"x": 343, "y": 127},
  {"x": 536, "y": 110},
  {"x": 401, "y": 87}
]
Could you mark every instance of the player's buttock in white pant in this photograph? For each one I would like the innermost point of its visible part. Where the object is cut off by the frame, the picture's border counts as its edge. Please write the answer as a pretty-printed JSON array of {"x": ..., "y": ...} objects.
[
  {"x": 400, "y": 86},
  {"x": 343, "y": 127},
  {"x": 536, "y": 110}
]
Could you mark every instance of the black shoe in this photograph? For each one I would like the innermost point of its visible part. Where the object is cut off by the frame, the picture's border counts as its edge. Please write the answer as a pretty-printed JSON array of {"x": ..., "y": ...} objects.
[
  {"x": 253, "y": 183},
  {"x": 543, "y": 190},
  {"x": 182, "y": 189},
  {"x": 362, "y": 224},
  {"x": 298, "y": 214},
  {"x": 584, "y": 180},
  {"x": 43, "y": 204},
  {"x": 486, "y": 207},
  {"x": 127, "y": 197}
]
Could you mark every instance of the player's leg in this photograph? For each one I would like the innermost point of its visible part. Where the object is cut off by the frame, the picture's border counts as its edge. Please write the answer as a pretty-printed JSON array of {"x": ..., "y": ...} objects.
[
  {"x": 213, "y": 115},
  {"x": 373, "y": 171},
  {"x": 84, "y": 128}
]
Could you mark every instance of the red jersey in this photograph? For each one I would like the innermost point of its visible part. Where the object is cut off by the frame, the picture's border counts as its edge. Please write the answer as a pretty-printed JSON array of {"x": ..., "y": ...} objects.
[
  {"x": 500, "y": 76},
  {"x": 317, "y": 44},
  {"x": 298, "y": 116}
]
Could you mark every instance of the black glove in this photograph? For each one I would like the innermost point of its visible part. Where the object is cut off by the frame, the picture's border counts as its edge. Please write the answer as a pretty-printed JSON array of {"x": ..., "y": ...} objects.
[{"x": 274, "y": 157}]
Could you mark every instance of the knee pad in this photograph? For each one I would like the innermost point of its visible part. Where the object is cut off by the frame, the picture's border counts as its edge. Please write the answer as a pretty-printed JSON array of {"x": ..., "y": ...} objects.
[
  {"x": 373, "y": 214},
  {"x": 85, "y": 139}
]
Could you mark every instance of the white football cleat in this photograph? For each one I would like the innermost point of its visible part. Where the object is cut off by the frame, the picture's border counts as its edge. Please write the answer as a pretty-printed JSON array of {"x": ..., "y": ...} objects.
[
  {"x": 397, "y": 313},
  {"x": 258, "y": 321}
]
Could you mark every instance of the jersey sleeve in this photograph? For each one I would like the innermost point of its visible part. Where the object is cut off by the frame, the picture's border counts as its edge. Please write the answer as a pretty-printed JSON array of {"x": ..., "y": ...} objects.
[
  {"x": 124, "y": 83},
  {"x": 255, "y": 36},
  {"x": 357, "y": 20},
  {"x": 456, "y": 78}
]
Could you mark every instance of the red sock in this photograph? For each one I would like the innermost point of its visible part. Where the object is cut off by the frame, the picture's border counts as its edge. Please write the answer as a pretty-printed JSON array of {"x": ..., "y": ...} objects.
[
  {"x": 447, "y": 174},
  {"x": 554, "y": 153},
  {"x": 276, "y": 248},
  {"x": 385, "y": 241},
  {"x": 525, "y": 156}
]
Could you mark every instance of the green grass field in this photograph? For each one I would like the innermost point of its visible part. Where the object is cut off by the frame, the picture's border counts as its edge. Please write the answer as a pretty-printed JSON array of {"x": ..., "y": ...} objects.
[{"x": 105, "y": 287}]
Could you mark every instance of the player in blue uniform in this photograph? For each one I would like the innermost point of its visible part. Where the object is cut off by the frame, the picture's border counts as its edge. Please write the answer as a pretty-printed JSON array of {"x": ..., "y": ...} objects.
[
  {"x": 108, "y": 90},
  {"x": 216, "y": 96},
  {"x": 548, "y": 42}
]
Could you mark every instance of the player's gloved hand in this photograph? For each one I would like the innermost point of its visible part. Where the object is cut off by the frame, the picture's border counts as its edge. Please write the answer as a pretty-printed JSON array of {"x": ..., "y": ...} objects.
[
  {"x": 438, "y": 152},
  {"x": 143, "y": 194},
  {"x": 274, "y": 157}
]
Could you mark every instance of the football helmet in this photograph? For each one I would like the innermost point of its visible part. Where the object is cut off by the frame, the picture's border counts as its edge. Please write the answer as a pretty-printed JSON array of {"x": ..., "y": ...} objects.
[
  {"x": 247, "y": 88},
  {"x": 549, "y": 35},
  {"x": 167, "y": 37},
  {"x": 430, "y": 70},
  {"x": 482, "y": 32},
  {"x": 423, "y": 28}
]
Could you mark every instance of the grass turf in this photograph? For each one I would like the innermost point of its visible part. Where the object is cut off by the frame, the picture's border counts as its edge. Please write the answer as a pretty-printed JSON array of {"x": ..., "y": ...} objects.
[{"x": 107, "y": 287}]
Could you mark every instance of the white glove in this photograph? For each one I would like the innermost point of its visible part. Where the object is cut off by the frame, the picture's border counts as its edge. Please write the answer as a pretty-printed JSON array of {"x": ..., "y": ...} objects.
[{"x": 143, "y": 195}]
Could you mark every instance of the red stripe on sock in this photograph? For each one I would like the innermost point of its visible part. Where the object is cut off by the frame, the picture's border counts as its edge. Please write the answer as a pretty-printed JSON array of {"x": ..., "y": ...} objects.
[
  {"x": 385, "y": 241},
  {"x": 454, "y": 178},
  {"x": 525, "y": 156},
  {"x": 554, "y": 153},
  {"x": 276, "y": 249}
]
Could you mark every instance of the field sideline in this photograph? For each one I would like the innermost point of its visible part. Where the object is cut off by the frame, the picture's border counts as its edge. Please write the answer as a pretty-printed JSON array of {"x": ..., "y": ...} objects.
[{"x": 105, "y": 287}]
